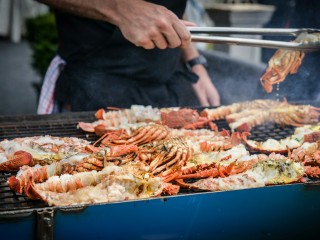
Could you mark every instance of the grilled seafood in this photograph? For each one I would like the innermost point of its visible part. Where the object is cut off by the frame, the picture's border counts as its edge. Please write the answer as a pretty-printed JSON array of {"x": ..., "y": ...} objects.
[
  {"x": 120, "y": 118},
  {"x": 236, "y": 162},
  {"x": 307, "y": 133},
  {"x": 82, "y": 162},
  {"x": 292, "y": 115},
  {"x": 211, "y": 163},
  {"x": 185, "y": 118},
  {"x": 40, "y": 174},
  {"x": 154, "y": 132},
  {"x": 19, "y": 159},
  {"x": 146, "y": 159},
  {"x": 309, "y": 155},
  {"x": 165, "y": 154},
  {"x": 268, "y": 172},
  {"x": 246, "y": 123},
  {"x": 223, "y": 111},
  {"x": 278, "y": 112},
  {"x": 285, "y": 62},
  {"x": 137, "y": 113},
  {"x": 142, "y": 135},
  {"x": 295, "y": 115},
  {"x": 213, "y": 143},
  {"x": 282, "y": 63},
  {"x": 166, "y": 158},
  {"x": 113, "y": 183},
  {"x": 140, "y": 115},
  {"x": 44, "y": 149}
]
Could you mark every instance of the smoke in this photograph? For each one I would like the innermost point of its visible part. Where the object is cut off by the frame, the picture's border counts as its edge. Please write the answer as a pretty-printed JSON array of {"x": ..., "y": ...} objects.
[{"x": 235, "y": 80}]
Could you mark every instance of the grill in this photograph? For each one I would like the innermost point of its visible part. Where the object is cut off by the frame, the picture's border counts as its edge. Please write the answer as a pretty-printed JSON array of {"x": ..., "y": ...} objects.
[
  {"x": 13, "y": 204},
  {"x": 64, "y": 125}
]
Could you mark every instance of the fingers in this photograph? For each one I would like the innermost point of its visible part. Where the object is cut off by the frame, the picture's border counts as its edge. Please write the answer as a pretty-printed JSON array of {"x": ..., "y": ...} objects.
[
  {"x": 214, "y": 101},
  {"x": 183, "y": 34},
  {"x": 149, "y": 25},
  {"x": 167, "y": 37},
  {"x": 149, "y": 45},
  {"x": 207, "y": 95},
  {"x": 203, "y": 101},
  {"x": 168, "y": 33},
  {"x": 188, "y": 23},
  {"x": 171, "y": 35},
  {"x": 213, "y": 96},
  {"x": 145, "y": 43}
]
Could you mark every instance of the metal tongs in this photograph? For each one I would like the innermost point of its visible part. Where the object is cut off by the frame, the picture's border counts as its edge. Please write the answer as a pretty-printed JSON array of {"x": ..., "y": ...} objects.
[{"x": 304, "y": 45}]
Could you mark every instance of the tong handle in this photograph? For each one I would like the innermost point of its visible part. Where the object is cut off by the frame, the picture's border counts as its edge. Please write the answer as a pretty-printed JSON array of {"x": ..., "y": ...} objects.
[
  {"x": 257, "y": 43},
  {"x": 252, "y": 31}
]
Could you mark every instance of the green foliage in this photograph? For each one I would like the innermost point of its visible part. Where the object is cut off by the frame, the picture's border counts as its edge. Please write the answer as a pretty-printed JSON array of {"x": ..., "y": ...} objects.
[{"x": 43, "y": 38}]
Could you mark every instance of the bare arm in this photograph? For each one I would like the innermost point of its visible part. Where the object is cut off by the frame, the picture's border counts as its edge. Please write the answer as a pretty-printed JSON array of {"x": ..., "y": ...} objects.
[
  {"x": 144, "y": 24},
  {"x": 205, "y": 90}
]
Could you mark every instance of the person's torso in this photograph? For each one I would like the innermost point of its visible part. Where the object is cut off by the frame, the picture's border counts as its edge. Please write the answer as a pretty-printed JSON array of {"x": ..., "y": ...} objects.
[{"x": 100, "y": 44}]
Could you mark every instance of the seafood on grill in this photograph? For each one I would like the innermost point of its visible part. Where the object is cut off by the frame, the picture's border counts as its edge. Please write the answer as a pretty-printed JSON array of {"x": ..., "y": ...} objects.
[
  {"x": 150, "y": 132},
  {"x": 210, "y": 164},
  {"x": 139, "y": 115},
  {"x": 222, "y": 164},
  {"x": 165, "y": 155},
  {"x": 15, "y": 161},
  {"x": 142, "y": 135},
  {"x": 120, "y": 118},
  {"x": 246, "y": 122},
  {"x": 307, "y": 133},
  {"x": 285, "y": 62},
  {"x": 81, "y": 162},
  {"x": 218, "y": 142},
  {"x": 166, "y": 158},
  {"x": 43, "y": 149},
  {"x": 185, "y": 118},
  {"x": 263, "y": 173},
  {"x": 282, "y": 113},
  {"x": 113, "y": 183},
  {"x": 295, "y": 115},
  {"x": 223, "y": 111},
  {"x": 309, "y": 155}
]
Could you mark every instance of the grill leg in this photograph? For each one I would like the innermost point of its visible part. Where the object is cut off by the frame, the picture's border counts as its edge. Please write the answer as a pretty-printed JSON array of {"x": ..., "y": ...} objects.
[{"x": 45, "y": 224}]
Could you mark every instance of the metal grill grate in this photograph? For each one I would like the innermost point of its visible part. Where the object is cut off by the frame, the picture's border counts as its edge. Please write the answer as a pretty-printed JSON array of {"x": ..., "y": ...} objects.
[
  {"x": 64, "y": 125},
  {"x": 9, "y": 200}
]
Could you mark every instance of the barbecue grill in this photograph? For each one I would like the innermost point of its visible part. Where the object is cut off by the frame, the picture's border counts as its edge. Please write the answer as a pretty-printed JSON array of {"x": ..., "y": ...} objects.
[{"x": 274, "y": 212}]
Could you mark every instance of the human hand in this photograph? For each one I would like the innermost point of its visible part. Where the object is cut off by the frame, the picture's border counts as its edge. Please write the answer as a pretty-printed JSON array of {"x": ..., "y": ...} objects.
[
  {"x": 205, "y": 90},
  {"x": 150, "y": 26}
]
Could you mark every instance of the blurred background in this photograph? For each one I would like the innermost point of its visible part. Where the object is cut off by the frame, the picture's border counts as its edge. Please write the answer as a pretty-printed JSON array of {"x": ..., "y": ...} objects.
[{"x": 28, "y": 41}]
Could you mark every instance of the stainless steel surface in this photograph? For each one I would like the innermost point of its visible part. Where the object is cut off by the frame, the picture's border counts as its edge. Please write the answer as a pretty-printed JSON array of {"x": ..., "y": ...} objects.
[
  {"x": 257, "y": 43},
  {"x": 301, "y": 46},
  {"x": 253, "y": 31}
]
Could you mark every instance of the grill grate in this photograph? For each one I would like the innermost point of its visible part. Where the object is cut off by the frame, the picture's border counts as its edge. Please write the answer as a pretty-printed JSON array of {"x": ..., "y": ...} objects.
[
  {"x": 64, "y": 125},
  {"x": 9, "y": 200}
]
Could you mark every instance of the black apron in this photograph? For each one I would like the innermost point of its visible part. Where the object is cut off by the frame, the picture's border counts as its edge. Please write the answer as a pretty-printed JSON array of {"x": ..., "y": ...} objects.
[{"x": 104, "y": 69}]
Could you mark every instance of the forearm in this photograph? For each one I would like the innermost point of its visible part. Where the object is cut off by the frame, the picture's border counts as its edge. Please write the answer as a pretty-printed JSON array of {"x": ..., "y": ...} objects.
[
  {"x": 94, "y": 9},
  {"x": 143, "y": 23},
  {"x": 189, "y": 53}
]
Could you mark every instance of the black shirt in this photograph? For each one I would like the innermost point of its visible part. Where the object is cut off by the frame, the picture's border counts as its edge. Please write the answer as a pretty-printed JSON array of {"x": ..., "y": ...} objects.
[{"x": 104, "y": 69}]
